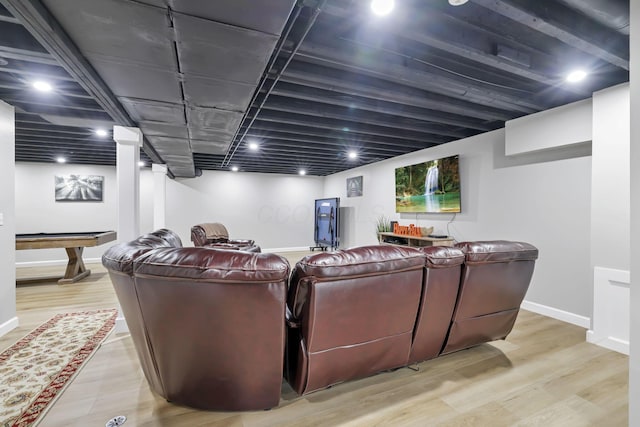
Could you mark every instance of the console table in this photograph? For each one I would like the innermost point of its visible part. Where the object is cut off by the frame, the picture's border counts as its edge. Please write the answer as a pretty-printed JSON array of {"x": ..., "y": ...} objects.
[{"x": 388, "y": 238}]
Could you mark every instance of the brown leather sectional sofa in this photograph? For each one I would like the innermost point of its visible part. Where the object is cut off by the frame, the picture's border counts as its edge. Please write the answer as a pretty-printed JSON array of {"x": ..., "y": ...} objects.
[{"x": 210, "y": 326}]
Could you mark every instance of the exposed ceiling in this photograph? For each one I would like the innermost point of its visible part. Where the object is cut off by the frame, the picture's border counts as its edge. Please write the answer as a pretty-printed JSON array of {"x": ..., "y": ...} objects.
[{"x": 307, "y": 81}]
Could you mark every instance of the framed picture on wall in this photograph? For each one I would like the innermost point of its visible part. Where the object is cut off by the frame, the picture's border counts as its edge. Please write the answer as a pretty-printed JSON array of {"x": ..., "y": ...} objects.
[
  {"x": 79, "y": 188},
  {"x": 354, "y": 186}
]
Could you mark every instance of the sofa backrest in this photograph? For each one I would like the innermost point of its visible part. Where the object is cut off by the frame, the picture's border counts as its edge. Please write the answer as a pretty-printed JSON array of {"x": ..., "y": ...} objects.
[
  {"x": 495, "y": 279},
  {"x": 439, "y": 293},
  {"x": 118, "y": 260},
  {"x": 356, "y": 310},
  {"x": 215, "y": 324}
]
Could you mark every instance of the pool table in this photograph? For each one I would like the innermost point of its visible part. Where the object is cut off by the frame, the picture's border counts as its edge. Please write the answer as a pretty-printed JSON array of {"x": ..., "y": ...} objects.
[{"x": 73, "y": 243}]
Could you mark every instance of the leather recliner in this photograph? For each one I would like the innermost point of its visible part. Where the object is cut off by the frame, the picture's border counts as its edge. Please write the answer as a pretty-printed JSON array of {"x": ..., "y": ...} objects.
[
  {"x": 352, "y": 314},
  {"x": 215, "y": 234},
  {"x": 208, "y": 324},
  {"x": 439, "y": 293},
  {"x": 119, "y": 263},
  {"x": 494, "y": 281}
]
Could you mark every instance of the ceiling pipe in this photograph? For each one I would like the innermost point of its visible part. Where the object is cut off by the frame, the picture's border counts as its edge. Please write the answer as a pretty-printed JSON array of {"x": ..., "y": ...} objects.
[
  {"x": 312, "y": 20},
  {"x": 612, "y": 13}
]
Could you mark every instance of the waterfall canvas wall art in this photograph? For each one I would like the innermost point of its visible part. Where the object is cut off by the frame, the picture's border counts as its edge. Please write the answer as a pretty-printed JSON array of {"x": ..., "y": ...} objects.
[
  {"x": 429, "y": 187},
  {"x": 79, "y": 188}
]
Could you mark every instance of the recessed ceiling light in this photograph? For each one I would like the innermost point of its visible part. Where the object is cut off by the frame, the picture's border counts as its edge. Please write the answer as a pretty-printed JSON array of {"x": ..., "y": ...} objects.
[
  {"x": 352, "y": 155},
  {"x": 42, "y": 86},
  {"x": 382, "y": 7},
  {"x": 253, "y": 146},
  {"x": 576, "y": 76},
  {"x": 302, "y": 172},
  {"x": 234, "y": 169},
  {"x": 141, "y": 163},
  {"x": 61, "y": 160},
  {"x": 101, "y": 132},
  {"x": 457, "y": 2}
]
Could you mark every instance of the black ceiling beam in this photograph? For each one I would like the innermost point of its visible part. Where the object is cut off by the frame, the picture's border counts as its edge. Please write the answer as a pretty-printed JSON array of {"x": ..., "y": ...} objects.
[
  {"x": 64, "y": 93},
  {"x": 80, "y": 160},
  {"x": 289, "y": 105},
  {"x": 36, "y": 148},
  {"x": 86, "y": 139},
  {"x": 355, "y": 145},
  {"x": 353, "y": 127},
  {"x": 569, "y": 28},
  {"x": 340, "y": 137},
  {"x": 302, "y": 127},
  {"x": 371, "y": 105},
  {"x": 27, "y": 55},
  {"x": 301, "y": 73},
  {"x": 21, "y": 130},
  {"x": 370, "y": 64},
  {"x": 310, "y": 148},
  {"x": 43, "y": 74},
  {"x": 48, "y": 32},
  {"x": 50, "y": 102}
]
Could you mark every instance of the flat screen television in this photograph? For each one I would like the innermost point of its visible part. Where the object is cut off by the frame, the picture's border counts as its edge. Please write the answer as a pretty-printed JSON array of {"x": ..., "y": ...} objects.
[{"x": 429, "y": 187}]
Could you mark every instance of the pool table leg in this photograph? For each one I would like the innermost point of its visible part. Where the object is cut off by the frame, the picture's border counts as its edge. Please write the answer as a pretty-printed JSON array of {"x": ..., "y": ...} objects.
[{"x": 75, "y": 267}]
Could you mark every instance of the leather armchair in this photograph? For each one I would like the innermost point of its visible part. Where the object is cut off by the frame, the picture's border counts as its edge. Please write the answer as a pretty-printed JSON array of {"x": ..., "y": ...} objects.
[
  {"x": 494, "y": 281},
  {"x": 215, "y": 234}
]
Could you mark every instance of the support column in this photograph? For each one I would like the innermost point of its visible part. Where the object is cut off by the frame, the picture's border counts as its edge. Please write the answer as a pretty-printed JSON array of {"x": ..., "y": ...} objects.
[
  {"x": 159, "y": 195},
  {"x": 634, "y": 335},
  {"x": 8, "y": 316},
  {"x": 128, "y": 142}
]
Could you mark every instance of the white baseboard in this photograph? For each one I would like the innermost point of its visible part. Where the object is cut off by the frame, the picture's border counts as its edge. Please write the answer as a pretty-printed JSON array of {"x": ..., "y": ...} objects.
[
  {"x": 611, "y": 343},
  {"x": 565, "y": 316},
  {"x": 54, "y": 262},
  {"x": 9, "y": 325}
]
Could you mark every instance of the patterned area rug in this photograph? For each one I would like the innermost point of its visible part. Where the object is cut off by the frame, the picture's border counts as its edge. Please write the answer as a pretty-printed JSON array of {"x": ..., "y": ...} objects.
[{"x": 35, "y": 370}]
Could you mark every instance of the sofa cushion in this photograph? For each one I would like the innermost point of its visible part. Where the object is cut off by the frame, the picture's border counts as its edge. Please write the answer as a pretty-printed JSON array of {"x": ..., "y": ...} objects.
[{"x": 206, "y": 263}]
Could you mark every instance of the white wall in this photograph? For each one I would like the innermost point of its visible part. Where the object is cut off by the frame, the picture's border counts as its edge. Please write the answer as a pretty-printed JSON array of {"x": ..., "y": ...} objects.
[
  {"x": 542, "y": 198},
  {"x": 8, "y": 319},
  {"x": 38, "y": 212},
  {"x": 274, "y": 210}
]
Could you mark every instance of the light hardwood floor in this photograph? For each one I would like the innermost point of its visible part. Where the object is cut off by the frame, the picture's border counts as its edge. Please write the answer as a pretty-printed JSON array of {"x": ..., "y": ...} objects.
[{"x": 544, "y": 374}]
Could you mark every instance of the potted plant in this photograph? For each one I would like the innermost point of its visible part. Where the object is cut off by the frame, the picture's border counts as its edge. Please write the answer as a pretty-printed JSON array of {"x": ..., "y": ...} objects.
[{"x": 382, "y": 225}]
